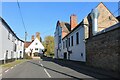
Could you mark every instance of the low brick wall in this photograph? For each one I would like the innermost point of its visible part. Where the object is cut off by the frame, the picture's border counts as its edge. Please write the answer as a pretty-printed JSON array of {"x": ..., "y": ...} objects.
[{"x": 103, "y": 50}]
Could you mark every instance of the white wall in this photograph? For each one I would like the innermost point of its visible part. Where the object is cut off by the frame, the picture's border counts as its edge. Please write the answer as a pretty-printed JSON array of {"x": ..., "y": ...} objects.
[
  {"x": 8, "y": 44},
  {"x": 58, "y": 32},
  {"x": 1, "y": 57},
  {"x": 20, "y": 49},
  {"x": 77, "y": 49}
]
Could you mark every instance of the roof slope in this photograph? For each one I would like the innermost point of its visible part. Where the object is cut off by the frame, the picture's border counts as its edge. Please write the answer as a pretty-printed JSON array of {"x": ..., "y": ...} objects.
[
  {"x": 27, "y": 44},
  {"x": 65, "y": 26},
  {"x": 8, "y": 27}
]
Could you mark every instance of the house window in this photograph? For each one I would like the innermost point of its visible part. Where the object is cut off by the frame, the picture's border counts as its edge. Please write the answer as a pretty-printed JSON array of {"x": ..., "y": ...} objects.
[
  {"x": 9, "y": 35},
  {"x": 77, "y": 38},
  {"x": 59, "y": 39},
  {"x": 66, "y": 43},
  {"x": 71, "y": 40},
  {"x": 6, "y": 56},
  {"x": 12, "y": 38},
  {"x": 81, "y": 54},
  {"x": 15, "y": 47},
  {"x": 20, "y": 51},
  {"x": 36, "y": 49},
  {"x": 36, "y": 43}
]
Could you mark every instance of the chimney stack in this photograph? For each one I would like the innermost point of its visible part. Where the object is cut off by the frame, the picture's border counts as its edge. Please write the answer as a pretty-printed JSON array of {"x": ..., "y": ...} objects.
[
  {"x": 32, "y": 38},
  {"x": 73, "y": 21},
  {"x": 38, "y": 35},
  {"x": 94, "y": 16}
]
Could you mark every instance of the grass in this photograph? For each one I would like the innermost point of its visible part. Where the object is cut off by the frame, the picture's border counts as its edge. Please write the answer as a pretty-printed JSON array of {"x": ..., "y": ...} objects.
[{"x": 11, "y": 64}]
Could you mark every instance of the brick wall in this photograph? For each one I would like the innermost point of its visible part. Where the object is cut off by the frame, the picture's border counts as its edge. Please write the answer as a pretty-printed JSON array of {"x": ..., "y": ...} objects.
[
  {"x": 103, "y": 50},
  {"x": 105, "y": 20}
]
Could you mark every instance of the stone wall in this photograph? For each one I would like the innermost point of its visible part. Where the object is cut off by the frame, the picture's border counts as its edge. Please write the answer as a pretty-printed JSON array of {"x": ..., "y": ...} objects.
[{"x": 103, "y": 50}]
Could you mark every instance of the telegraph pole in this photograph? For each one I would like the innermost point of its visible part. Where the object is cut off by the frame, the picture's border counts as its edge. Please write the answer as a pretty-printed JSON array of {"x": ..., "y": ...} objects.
[
  {"x": 119, "y": 8},
  {"x": 25, "y": 43}
]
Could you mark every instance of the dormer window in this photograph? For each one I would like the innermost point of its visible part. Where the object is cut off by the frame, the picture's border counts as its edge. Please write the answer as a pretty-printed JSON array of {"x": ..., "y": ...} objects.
[
  {"x": 36, "y": 43},
  {"x": 36, "y": 49}
]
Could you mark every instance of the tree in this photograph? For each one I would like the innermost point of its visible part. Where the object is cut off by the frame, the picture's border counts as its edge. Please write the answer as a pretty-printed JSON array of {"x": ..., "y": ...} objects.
[{"x": 49, "y": 45}]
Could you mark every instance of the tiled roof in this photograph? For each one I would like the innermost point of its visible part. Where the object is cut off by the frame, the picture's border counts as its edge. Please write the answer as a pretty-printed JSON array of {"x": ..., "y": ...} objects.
[
  {"x": 8, "y": 27},
  {"x": 65, "y": 26},
  {"x": 27, "y": 44}
]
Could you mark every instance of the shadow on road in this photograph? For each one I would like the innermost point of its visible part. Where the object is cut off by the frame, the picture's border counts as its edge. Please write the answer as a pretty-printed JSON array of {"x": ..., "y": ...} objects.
[
  {"x": 82, "y": 68},
  {"x": 56, "y": 71}
]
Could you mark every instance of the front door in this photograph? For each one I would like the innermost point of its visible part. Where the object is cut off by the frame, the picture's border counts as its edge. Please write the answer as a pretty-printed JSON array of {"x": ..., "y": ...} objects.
[{"x": 65, "y": 55}]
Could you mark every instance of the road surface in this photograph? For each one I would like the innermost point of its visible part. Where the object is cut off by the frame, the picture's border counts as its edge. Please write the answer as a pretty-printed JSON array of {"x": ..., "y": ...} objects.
[{"x": 49, "y": 69}]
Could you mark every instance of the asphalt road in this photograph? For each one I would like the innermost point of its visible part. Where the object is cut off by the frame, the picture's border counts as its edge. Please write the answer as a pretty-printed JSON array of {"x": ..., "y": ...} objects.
[{"x": 48, "y": 69}]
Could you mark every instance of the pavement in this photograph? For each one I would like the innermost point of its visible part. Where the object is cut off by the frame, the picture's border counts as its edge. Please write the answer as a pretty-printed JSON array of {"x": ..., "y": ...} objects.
[{"x": 52, "y": 69}]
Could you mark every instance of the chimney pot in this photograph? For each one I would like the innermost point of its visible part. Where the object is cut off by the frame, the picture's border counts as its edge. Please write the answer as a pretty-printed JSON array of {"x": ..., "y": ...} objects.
[
  {"x": 94, "y": 16},
  {"x": 38, "y": 35},
  {"x": 73, "y": 21},
  {"x": 32, "y": 38}
]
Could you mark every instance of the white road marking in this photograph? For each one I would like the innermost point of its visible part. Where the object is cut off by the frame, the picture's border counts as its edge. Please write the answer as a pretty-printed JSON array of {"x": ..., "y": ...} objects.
[
  {"x": 41, "y": 65},
  {"x": 45, "y": 70},
  {"x": 47, "y": 73},
  {"x": 6, "y": 70},
  {"x": 0, "y": 74},
  {"x": 11, "y": 67}
]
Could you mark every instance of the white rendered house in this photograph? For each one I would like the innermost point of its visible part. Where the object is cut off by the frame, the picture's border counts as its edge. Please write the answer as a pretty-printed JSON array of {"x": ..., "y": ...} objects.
[
  {"x": 9, "y": 44},
  {"x": 35, "y": 48}
]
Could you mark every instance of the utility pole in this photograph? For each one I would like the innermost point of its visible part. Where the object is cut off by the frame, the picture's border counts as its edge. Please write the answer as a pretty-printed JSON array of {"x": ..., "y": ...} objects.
[
  {"x": 25, "y": 43},
  {"x": 119, "y": 8}
]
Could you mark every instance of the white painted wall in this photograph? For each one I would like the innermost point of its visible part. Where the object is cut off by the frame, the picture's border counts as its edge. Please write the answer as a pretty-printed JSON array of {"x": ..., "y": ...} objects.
[
  {"x": 20, "y": 49},
  {"x": 58, "y": 47},
  {"x": 77, "y": 49},
  {"x": 1, "y": 57},
  {"x": 8, "y": 44}
]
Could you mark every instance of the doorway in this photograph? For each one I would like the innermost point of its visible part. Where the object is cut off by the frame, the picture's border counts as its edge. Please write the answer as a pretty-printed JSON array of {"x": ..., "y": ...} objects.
[{"x": 65, "y": 55}]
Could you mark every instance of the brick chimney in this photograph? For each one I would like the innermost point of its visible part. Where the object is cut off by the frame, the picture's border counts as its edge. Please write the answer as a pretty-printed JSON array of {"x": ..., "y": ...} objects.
[
  {"x": 32, "y": 38},
  {"x": 38, "y": 35},
  {"x": 73, "y": 21}
]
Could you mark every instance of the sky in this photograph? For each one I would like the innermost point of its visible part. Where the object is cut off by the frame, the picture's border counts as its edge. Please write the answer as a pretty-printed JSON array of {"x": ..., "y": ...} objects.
[{"x": 43, "y": 16}]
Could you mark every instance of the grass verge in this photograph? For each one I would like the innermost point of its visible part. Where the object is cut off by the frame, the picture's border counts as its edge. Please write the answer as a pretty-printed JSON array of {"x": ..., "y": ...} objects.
[{"x": 11, "y": 64}]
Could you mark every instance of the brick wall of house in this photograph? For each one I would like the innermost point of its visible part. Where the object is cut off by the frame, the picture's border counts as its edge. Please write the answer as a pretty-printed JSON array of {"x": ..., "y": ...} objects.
[
  {"x": 103, "y": 50},
  {"x": 105, "y": 20}
]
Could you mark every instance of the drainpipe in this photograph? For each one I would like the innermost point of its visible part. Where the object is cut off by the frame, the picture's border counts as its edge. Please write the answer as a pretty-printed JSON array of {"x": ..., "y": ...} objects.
[{"x": 94, "y": 16}]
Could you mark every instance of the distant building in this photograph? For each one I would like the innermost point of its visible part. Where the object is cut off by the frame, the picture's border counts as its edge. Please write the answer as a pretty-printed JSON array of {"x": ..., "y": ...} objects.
[
  {"x": 11, "y": 47},
  {"x": 35, "y": 47},
  {"x": 70, "y": 38}
]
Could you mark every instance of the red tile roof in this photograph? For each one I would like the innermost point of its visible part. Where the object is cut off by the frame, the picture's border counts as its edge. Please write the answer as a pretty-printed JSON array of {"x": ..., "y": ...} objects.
[{"x": 27, "y": 44}]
